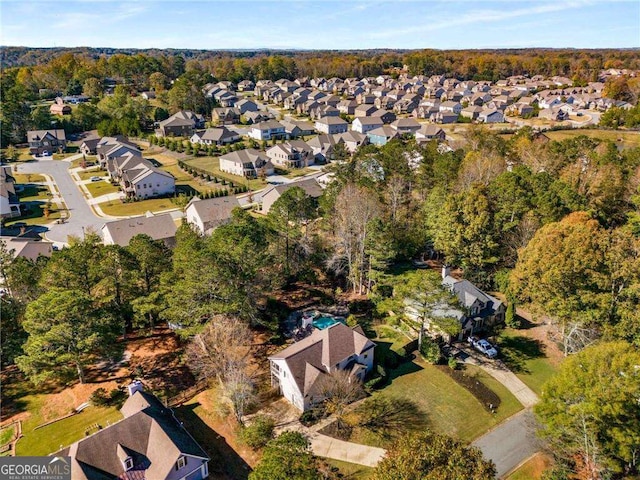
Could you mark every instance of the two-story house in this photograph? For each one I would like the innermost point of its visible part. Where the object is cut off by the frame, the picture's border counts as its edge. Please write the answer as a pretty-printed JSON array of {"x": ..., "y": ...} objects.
[
  {"x": 249, "y": 163},
  {"x": 292, "y": 154},
  {"x": 46, "y": 142},
  {"x": 299, "y": 370},
  {"x": 267, "y": 130}
]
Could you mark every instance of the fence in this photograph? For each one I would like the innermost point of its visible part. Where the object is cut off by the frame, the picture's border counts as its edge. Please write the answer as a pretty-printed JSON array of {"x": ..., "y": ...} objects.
[{"x": 187, "y": 394}]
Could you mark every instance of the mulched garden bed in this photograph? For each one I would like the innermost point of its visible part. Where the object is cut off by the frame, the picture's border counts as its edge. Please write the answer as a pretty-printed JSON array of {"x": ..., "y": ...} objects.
[{"x": 487, "y": 397}]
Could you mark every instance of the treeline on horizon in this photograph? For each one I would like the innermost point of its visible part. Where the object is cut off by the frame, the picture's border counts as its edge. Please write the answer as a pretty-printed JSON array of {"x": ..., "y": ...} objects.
[{"x": 133, "y": 64}]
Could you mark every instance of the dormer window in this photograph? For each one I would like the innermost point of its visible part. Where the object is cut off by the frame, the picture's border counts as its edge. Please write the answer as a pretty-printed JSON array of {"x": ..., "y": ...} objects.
[
  {"x": 128, "y": 463},
  {"x": 182, "y": 461}
]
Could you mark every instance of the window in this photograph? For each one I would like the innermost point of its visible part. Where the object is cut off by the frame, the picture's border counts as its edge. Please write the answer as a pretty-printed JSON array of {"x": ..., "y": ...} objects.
[
  {"x": 366, "y": 355},
  {"x": 128, "y": 463},
  {"x": 181, "y": 463}
]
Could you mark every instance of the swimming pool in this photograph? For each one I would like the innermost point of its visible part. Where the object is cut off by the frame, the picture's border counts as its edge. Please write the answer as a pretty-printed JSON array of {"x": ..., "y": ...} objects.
[{"x": 325, "y": 321}]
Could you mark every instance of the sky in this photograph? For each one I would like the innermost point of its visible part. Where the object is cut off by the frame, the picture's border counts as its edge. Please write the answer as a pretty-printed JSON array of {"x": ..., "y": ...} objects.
[{"x": 328, "y": 24}]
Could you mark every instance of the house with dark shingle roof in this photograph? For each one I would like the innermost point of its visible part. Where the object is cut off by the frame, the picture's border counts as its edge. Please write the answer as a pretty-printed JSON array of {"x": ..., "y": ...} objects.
[
  {"x": 207, "y": 215},
  {"x": 149, "y": 443},
  {"x": 269, "y": 196},
  {"x": 158, "y": 227},
  {"x": 298, "y": 370}
]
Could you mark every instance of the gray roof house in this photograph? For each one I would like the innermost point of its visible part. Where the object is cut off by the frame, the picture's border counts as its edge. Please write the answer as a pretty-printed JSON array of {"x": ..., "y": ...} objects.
[
  {"x": 310, "y": 186},
  {"x": 158, "y": 227},
  {"x": 298, "y": 370},
  {"x": 149, "y": 443},
  {"x": 209, "y": 214}
]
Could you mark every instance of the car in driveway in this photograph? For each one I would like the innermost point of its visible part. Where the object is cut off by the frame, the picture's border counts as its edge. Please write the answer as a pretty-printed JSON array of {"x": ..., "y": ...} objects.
[
  {"x": 483, "y": 347},
  {"x": 96, "y": 179}
]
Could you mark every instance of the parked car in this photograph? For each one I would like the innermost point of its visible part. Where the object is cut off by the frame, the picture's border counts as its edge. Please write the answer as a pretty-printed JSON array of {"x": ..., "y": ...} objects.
[
  {"x": 96, "y": 179},
  {"x": 483, "y": 347}
]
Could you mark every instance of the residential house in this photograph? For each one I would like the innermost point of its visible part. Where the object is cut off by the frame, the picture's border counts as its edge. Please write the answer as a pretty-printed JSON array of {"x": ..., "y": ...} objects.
[
  {"x": 322, "y": 147},
  {"x": 451, "y": 106},
  {"x": 481, "y": 309},
  {"x": 381, "y": 135},
  {"x": 207, "y": 215},
  {"x": 385, "y": 116},
  {"x": 347, "y": 107},
  {"x": 519, "y": 109},
  {"x": 556, "y": 113},
  {"x": 352, "y": 140},
  {"x": 365, "y": 110},
  {"x": 139, "y": 178},
  {"x": 46, "y": 142},
  {"x": 215, "y": 136},
  {"x": 406, "y": 126},
  {"x": 9, "y": 202},
  {"x": 424, "y": 111},
  {"x": 269, "y": 196},
  {"x": 491, "y": 116},
  {"x": 149, "y": 443},
  {"x": 267, "y": 130},
  {"x": 150, "y": 95},
  {"x": 430, "y": 132},
  {"x": 295, "y": 128},
  {"x": 299, "y": 370},
  {"x": 245, "y": 105},
  {"x": 252, "y": 118},
  {"x": 59, "y": 108},
  {"x": 225, "y": 116},
  {"x": 181, "y": 124},
  {"x": 246, "y": 86},
  {"x": 444, "y": 117},
  {"x": 366, "y": 124},
  {"x": 26, "y": 247},
  {"x": 89, "y": 145},
  {"x": 472, "y": 112},
  {"x": 249, "y": 163},
  {"x": 291, "y": 154},
  {"x": 158, "y": 227},
  {"x": 331, "y": 125},
  {"x": 109, "y": 148}
]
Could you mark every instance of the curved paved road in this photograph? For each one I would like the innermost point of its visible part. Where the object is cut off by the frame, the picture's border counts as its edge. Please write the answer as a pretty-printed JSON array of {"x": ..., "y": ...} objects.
[{"x": 81, "y": 217}]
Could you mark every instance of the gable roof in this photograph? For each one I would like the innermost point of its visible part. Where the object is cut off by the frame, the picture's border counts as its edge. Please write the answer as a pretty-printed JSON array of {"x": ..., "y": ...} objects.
[
  {"x": 149, "y": 434},
  {"x": 213, "y": 211},
  {"x": 322, "y": 350},
  {"x": 158, "y": 227},
  {"x": 310, "y": 186}
]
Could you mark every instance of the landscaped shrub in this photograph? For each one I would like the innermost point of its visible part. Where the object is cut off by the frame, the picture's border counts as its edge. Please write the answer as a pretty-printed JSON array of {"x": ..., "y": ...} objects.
[
  {"x": 259, "y": 432},
  {"x": 100, "y": 397},
  {"x": 373, "y": 383},
  {"x": 430, "y": 350},
  {"x": 453, "y": 363},
  {"x": 310, "y": 417}
]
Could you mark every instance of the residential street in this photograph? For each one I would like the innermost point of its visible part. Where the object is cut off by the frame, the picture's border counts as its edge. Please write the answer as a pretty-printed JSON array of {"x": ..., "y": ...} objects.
[
  {"x": 510, "y": 443},
  {"x": 81, "y": 217}
]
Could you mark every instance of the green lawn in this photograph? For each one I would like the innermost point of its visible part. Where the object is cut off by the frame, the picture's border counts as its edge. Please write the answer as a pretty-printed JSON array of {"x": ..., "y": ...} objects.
[
  {"x": 101, "y": 188},
  {"x": 6, "y": 434},
  {"x": 449, "y": 407},
  {"x": 91, "y": 172},
  {"x": 212, "y": 165},
  {"x": 24, "y": 178},
  {"x": 526, "y": 358},
  {"x": 118, "y": 208},
  {"x": 620, "y": 137},
  {"x": 350, "y": 471},
  {"x": 389, "y": 337},
  {"x": 34, "y": 198},
  {"x": 51, "y": 438},
  {"x": 532, "y": 469}
]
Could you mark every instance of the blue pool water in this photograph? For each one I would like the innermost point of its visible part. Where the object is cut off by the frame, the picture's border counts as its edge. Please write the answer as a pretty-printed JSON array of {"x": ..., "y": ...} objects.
[{"x": 325, "y": 322}]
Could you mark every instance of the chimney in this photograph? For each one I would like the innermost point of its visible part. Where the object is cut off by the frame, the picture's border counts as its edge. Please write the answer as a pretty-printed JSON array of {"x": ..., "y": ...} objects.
[
  {"x": 135, "y": 386},
  {"x": 445, "y": 271}
]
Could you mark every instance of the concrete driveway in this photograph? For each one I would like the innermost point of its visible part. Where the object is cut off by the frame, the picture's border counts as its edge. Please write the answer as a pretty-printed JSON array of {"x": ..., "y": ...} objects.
[{"x": 81, "y": 217}]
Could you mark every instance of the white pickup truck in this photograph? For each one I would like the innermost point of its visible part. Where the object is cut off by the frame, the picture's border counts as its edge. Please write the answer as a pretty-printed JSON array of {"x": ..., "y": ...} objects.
[{"x": 483, "y": 347}]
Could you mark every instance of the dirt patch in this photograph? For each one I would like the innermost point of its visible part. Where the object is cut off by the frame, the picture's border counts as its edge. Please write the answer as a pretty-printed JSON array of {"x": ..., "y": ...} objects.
[
  {"x": 540, "y": 329},
  {"x": 62, "y": 403}
]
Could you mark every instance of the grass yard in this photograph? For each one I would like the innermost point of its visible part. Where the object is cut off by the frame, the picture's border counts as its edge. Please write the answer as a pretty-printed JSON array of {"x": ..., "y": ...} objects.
[
  {"x": 51, "y": 438},
  {"x": 532, "y": 469},
  {"x": 119, "y": 209},
  {"x": 25, "y": 178},
  {"x": 389, "y": 337},
  {"x": 526, "y": 358},
  {"x": 6, "y": 434},
  {"x": 185, "y": 183},
  {"x": 34, "y": 198},
  {"x": 212, "y": 165},
  {"x": 350, "y": 471},
  {"x": 91, "y": 172},
  {"x": 620, "y": 137},
  {"x": 295, "y": 173},
  {"x": 449, "y": 407},
  {"x": 101, "y": 188}
]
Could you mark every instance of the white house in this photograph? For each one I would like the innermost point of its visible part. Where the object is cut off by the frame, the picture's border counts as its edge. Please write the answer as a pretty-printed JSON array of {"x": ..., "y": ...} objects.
[
  {"x": 214, "y": 136},
  {"x": 248, "y": 163},
  {"x": 9, "y": 203},
  {"x": 299, "y": 370},
  {"x": 366, "y": 124},
  {"x": 266, "y": 130},
  {"x": 331, "y": 125},
  {"x": 292, "y": 154},
  {"x": 148, "y": 182},
  {"x": 207, "y": 215}
]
